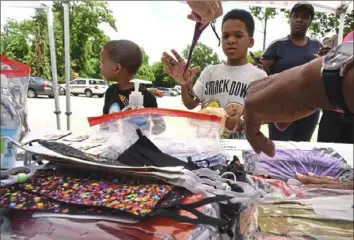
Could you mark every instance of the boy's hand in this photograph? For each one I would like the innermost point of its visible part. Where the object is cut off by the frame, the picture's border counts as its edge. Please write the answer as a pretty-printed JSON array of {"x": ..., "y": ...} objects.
[{"x": 175, "y": 68}]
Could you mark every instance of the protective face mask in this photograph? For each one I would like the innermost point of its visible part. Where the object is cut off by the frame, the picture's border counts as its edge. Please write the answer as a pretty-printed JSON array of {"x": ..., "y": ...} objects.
[
  {"x": 197, "y": 33},
  {"x": 144, "y": 153}
]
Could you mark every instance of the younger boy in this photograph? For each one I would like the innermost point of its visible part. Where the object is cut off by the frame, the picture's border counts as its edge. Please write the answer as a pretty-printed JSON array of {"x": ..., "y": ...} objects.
[
  {"x": 120, "y": 61},
  {"x": 222, "y": 85}
]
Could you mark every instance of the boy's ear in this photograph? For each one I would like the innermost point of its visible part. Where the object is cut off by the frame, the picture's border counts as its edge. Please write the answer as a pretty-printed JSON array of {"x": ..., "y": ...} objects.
[
  {"x": 118, "y": 68},
  {"x": 251, "y": 42}
]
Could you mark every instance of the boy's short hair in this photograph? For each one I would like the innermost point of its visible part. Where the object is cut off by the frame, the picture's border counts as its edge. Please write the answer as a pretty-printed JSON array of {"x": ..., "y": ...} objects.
[
  {"x": 126, "y": 53},
  {"x": 243, "y": 16}
]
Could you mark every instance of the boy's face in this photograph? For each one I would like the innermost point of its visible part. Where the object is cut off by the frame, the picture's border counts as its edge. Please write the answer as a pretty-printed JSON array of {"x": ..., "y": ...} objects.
[
  {"x": 235, "y": 39},
  {"x": 109, "y": 68}
]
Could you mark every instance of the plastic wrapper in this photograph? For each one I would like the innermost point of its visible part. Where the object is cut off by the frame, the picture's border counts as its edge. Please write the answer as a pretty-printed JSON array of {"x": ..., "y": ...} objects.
[
  {"x": 286, "y": 163},
  {"x": 181, "y": 134},
  {"x": 315, "y": 218},
  {"x": 34, "y": 226},
  {"x": 278, "y": 189},
  {"x": 17, "y": 80}
]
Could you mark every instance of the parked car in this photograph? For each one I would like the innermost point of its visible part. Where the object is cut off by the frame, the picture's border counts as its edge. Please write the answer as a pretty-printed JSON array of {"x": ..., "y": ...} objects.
[
  {"x": 39, "y": 86},
  {"x": 167, "y": 91},
  {"x": 87, "y": 86},
  {"x": 156, "y": 92},
  {"x": 177, "y": 87},
  {"x": 177, "y": 90}
]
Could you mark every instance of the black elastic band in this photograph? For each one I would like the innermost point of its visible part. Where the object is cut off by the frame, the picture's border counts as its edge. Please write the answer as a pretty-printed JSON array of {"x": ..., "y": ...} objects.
[
  {"x": 140, "y": 134},
  {"x": 201, "y": 219},
  {"x": 212, "y": 24},
  {"x": 205, "y": 201},
  {"x": 197, "y": 33},
  {"x": 334, "y": 89},
  {"x": 191, "y": 207}
]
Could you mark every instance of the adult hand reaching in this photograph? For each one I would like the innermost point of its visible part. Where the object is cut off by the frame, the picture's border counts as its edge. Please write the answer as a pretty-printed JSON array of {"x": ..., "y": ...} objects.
[
  {"x": 283, "y": 97},
  {"x": 175, "y": 68},
  {"x": 204, "y": 11}
]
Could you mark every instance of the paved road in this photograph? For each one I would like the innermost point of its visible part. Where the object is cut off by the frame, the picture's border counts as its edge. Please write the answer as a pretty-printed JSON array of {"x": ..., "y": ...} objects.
[{"x": 41, "y": 112}]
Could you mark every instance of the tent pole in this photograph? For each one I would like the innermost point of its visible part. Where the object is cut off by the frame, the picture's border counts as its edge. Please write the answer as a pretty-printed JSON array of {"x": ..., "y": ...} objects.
[
  {"x": 54, "y": 64},
  {"x": 341, "y": 27},
  {"x": 67, "y": 62}
]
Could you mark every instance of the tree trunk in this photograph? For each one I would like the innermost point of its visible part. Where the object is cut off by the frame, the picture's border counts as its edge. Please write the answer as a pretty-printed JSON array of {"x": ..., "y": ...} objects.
[{"x": 265, "y": 31}]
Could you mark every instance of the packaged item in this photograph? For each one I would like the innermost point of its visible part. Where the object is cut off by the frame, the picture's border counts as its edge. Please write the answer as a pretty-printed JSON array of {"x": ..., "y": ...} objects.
[
  {"x": 314, "y": 218},
  {"x": 39, "y": 226},
  {"x": 278, "y": 189},
  {"x": 17, "y": 77},
  {"x": 192, "y": 135},
  {"x": 68, "y": 191},
  {"x": 286, "y": 163}
]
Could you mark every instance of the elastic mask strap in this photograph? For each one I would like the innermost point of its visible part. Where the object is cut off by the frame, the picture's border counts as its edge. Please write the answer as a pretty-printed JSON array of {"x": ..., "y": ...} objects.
[
  {"x": 197, "y": 33},
  {"x": 201, "y": 218},
  {"x": 140, "y": 134},
  {"x": 212, "y": 24}
]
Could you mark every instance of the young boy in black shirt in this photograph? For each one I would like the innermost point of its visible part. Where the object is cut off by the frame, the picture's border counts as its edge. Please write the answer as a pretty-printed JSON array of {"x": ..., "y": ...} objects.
[{"x": 120, "y": 61}]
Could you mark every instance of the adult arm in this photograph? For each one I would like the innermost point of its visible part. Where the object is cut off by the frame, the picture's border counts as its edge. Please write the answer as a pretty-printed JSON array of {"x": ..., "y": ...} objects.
[
  {"x": 286, "y": 97},
  {"x": 269, "y": 57}
]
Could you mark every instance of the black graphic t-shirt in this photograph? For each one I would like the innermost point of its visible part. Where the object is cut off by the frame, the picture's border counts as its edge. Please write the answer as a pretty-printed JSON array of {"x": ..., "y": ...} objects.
[
  {"x": 116, "y": 100},
  {"x": 288, "y": 55}
]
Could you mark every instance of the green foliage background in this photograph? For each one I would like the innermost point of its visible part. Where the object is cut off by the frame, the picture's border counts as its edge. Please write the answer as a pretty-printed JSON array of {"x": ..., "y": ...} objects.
[{"x": 27, "y": 41}]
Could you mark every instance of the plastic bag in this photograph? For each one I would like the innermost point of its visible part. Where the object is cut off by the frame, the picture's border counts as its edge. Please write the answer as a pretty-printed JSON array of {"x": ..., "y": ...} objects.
[
  {"x": 286, "y": 163},
  {"x": 315, "y": 218},
  {"x": 35, "y": 226},
  {"x": 278, "y": 189},
  {"x": 17, "y": 80},
  {"x": 180, "y": 134}
]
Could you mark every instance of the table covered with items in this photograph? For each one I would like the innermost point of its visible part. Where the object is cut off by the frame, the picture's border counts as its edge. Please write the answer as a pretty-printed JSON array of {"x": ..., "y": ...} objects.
[{"x": 167, "y": 174}]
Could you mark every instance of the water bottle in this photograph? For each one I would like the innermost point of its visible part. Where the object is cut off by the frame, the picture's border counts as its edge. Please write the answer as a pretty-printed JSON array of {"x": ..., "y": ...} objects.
[{"x": 10, "y": 123}]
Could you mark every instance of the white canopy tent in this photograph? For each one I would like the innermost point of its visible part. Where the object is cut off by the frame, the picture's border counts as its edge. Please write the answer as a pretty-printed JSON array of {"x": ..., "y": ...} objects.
[{"x": 337, "y": 7}]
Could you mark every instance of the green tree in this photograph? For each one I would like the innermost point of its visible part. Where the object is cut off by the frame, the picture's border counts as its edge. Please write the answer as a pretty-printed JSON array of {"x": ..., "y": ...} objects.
[
  {"x": 325, "y": 25},
  {"x": 257, "y": 53},
  {"x": 145, "y": 72},
  {"x": 86, "y": 39},
  {"x": 263, "y": 15},
  {"x": 28, "y": 42},
  {"x": 161, "y": 79},
  {"x": 202, "y": 56},
  {"x": 15, "y": 40}
]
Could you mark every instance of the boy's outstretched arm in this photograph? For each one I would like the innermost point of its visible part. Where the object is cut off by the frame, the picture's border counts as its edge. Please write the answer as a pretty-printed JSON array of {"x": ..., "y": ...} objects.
[
  {"x": 188, "y": 101},
  {"x": 175, "y": 68}
]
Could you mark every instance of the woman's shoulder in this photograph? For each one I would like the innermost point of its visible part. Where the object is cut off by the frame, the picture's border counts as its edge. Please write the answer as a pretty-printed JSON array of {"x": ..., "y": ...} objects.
[{"x": 280, "y": 41}]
